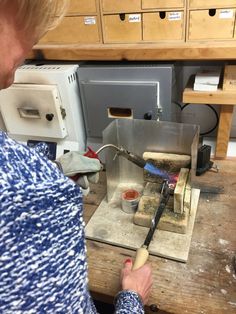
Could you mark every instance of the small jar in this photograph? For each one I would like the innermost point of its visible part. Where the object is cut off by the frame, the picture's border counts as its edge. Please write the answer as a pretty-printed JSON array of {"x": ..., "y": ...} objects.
[{"x": 129, "y": 201}]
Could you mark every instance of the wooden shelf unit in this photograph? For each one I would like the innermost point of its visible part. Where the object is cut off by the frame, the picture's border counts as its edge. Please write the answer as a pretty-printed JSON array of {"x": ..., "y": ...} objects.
[
  {"x": 168, "y": 43},
  {"x": 227, "y": 101}
]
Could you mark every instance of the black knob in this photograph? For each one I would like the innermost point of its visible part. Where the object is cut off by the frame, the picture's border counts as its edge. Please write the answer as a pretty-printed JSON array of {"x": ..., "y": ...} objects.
[
  {"x": 154, "y": 308},
  {"x": 147, "y": 116},
  {"x": 49, "y": 116}
]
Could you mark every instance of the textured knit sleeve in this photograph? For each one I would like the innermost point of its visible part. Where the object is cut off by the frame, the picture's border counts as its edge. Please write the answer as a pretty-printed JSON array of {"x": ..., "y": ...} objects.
[
  {"x": 128, "y": 302},
  {"x": 43, "y": 265}
]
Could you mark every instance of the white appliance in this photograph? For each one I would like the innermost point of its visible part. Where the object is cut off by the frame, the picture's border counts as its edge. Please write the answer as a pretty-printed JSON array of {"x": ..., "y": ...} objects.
[{"x": 44, "y": 104}]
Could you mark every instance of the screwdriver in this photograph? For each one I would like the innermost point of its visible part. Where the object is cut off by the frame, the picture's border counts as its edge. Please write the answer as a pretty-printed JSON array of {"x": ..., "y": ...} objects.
[{"x": 142, "y": 253}]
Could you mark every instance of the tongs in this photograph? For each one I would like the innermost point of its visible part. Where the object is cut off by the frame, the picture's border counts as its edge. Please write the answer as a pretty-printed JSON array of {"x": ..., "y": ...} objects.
[{"x": 142, "y": 253}]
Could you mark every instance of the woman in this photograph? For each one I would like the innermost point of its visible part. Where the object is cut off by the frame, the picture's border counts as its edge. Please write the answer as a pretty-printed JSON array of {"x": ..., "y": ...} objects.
[{"x": 43, "y": 267}]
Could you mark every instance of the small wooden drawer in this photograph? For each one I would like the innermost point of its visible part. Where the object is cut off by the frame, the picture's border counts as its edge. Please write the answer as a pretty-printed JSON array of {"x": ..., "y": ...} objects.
[
  {"x": 211, "y": 24},
  {"x": 117, "y": 6},
  {"x": 73, "y": 30},
  {"x": 82, "y": 7},
  {"x": 195, "y": 4},
  {"x": 163, "y": 25},
  {"x": 162, "y": 4},
  {"x": 123, "y": 28}
]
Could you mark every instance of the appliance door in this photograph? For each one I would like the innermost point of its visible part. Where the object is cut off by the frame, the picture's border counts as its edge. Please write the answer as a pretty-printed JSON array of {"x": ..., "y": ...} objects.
[
  {"x": 104, "y": 101},
  {"x": 33, "y": 110}
]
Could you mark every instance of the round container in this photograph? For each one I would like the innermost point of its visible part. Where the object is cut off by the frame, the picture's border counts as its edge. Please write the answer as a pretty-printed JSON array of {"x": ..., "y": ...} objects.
[{"x": 129, "y": 201}]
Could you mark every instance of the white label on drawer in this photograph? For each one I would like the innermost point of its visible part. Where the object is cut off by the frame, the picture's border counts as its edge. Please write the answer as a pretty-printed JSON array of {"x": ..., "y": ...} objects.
[
  {"x": 174, "y": 16},
  {"x": 226, "y": 14},
  {"x": 89, "y": 20},
  {"x": 134, "y": 18}
]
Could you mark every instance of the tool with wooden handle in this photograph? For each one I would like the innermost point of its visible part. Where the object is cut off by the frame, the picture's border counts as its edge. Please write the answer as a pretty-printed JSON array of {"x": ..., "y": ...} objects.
[{"x": 142, "y": 253}]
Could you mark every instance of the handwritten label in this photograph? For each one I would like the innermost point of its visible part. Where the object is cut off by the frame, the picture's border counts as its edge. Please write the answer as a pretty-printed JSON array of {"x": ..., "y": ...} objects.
[
  {"x": 226, "y": 14},
  {"x": 134, "y": 18},
  {"x": 175, "y": 16},
  {"x": 90, "y": 20}
]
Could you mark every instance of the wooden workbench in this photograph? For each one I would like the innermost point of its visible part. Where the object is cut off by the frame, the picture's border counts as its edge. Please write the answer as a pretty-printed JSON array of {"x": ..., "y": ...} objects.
[{"x": 207, "y": 282}]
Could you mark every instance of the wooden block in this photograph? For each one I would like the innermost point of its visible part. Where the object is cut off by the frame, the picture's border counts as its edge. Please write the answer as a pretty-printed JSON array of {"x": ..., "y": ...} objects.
[
  {"x": 180, "y": 191},
  {"x": 229, "y": 82},
  {"x": 170, "y": 163}
]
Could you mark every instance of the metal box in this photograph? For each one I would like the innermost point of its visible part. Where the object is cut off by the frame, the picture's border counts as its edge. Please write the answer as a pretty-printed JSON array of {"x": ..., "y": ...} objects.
[
  {"x": 125, "y": 91},
  {"x": 44, "y": 105}
]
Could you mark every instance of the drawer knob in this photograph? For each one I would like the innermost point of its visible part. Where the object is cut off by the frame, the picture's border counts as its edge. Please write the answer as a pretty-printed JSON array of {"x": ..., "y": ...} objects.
[{"x": 147, "y": 116}]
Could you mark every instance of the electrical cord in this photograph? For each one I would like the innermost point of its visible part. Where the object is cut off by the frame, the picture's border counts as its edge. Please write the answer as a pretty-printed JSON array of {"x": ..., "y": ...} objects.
[{"x": 212, "y": 108}]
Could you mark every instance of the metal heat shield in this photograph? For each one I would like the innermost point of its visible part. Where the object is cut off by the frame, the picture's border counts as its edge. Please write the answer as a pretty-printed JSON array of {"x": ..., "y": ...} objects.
[{"x": 139, "y": 136}]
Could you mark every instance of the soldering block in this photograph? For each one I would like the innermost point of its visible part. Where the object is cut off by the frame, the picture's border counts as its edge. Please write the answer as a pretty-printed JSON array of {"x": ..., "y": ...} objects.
[
  {"x": 180, "y": 189},
  {"x": 170, "y": 221},
  {"x": 170, "y": 163},
  {"x": 153, "y": 190}
]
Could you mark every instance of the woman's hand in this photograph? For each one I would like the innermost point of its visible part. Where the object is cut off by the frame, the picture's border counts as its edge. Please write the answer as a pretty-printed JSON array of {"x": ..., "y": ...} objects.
[{"x": 139, "y": 280}]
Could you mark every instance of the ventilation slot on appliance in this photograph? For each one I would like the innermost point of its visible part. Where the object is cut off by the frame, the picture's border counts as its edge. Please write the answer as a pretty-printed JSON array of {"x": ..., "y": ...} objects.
[
  {"x": 72, "y": 78},
  {"x": 120, "y": 113}
]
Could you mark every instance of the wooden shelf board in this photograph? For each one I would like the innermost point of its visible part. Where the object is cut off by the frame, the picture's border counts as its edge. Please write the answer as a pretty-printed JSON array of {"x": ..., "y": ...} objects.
[
  {"x": 224, "y": 50},
  {"x": 226, "y": 99},
  {"x": 219, "y": 97}
]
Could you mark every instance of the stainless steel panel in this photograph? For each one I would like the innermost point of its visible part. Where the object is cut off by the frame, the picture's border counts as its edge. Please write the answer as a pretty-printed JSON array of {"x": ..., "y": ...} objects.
[{"x": 139, "y": 136}]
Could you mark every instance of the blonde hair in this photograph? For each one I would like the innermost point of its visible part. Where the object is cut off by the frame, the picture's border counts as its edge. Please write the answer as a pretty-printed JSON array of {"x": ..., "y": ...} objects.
[{"x": 38, "y": 16}]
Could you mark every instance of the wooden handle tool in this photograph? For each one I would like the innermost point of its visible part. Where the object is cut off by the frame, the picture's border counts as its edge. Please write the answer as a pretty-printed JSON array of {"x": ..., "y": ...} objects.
[
  {"x": 140, "y": 258},
  {"x": 142, "y": 253}
]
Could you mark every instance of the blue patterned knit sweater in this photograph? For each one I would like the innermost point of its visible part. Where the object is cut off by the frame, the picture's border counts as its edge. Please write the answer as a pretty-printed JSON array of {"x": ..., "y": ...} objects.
[{"x": 43, "y": 268}]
